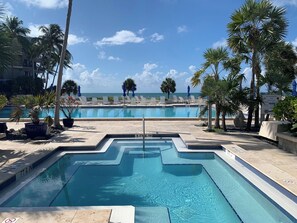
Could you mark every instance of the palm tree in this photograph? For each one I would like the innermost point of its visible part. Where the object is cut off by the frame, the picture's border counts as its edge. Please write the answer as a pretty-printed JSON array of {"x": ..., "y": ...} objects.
[
  {"x": 130, "y": 85},
  {"x": 168, "y": 86},
  {"x": 5, "y": 47},
  {"x": 62, "y": 58},
  {"x": 50, "y": 44},
  {"x": 280, "y": 62},
  {"x": 14, "y": 29},
  {"x": 213, "y": 66},
  {"x": 254, "y": 28},
  {"x": 69, "y": 87}
]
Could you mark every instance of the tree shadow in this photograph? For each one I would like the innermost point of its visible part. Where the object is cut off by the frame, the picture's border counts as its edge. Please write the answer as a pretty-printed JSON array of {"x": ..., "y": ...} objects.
[{"x": 6, "y": 155}]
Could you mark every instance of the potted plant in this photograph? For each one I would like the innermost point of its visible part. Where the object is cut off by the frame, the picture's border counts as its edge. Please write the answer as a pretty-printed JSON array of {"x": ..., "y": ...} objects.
[
  {"x": 3, "y": 102},
  {"x": 32, "y": 106},
  {"x": 68, "y": 105}
]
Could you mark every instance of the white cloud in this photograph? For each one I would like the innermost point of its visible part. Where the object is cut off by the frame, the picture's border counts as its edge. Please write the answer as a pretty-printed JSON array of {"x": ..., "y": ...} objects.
[
  {"x": 295, "y": 42},
  {"x": 48, "y": 4},
  {"x": 92, "y": 80},
  {"x": 174, "y": 74},
  {"x": 7, "y": 9},
  {"x": 182, "y": 29},
  {"x": 141, "y": 31},
  {"x": 114, "y": 58},
  {"x": 193, "y": 69},
  {"x": 220, "y": 43},
  {"x": 102, "y": 56},
  {"x": 285, "y": 2},
  {"x": 120, "y": 38},
  {"x": 74, "y": 39},
  {"x": 248, "y": 76},
  {"x": 148, "y": 79},
  {"x": 156, "y": 37},
  {"x": 35, "y": 32}
]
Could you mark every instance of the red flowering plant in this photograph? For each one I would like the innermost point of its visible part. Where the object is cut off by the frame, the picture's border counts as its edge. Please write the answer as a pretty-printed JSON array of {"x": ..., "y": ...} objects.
[{"x": 68, "y": 105}]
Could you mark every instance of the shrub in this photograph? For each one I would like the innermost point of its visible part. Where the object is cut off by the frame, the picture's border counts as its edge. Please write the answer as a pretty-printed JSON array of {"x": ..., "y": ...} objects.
[{"x": 286, "y": 110}]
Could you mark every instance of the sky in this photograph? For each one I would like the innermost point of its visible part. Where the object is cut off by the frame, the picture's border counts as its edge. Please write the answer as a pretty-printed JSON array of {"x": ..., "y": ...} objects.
[{"x": 146, "y": 40}]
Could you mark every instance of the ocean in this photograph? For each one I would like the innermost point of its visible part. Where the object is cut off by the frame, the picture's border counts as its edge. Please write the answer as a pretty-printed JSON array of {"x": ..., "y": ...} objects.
[{"x": 146, "y": 95}]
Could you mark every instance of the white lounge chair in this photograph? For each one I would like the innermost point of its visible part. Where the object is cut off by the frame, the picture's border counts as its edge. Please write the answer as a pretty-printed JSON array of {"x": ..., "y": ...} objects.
[
  {"x": 201, "y": 101},
  {"x": 105, "y": 100},
  {"x": 181, "y": 100},
  {"x": 162, "y": 100},
  {"x": 192, "y": 99},
  {"x": 116, "y": 100},
  {"x": 153, "y": 101},
  {"x": 174, "y": 99},
  {"x": 137, "y": 99},
  {"x": 83, "y": 100},
  {"x": 94, "y": 101},
  {"x": 143, "y": 100}
]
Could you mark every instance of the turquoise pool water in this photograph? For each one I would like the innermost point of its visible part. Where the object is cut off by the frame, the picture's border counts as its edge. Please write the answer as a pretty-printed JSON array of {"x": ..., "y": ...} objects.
[
  {"x": 124, "y": 112},
  {"x": 195, "y": 188}
]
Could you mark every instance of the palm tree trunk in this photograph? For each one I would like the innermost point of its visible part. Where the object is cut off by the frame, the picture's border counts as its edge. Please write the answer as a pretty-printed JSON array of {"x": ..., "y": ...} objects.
[
  {"x": 257, "y": 111},
  {"x": 224, "y": 121},
  {"x": 218, "y": 112},
  {"x": 62, "y": 58},
  {"x": 168, "y": 93},
  {"x": 252, "y": 91}
]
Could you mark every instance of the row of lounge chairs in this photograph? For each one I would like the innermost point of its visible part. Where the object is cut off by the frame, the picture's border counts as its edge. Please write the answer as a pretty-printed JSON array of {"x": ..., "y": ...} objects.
[{"x": 140, "y": 100}]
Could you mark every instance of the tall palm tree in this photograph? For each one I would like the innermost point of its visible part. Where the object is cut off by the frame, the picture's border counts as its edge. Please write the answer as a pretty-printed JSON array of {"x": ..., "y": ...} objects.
[
  {"x": 14, "y": 29},
  {"x": 280, "y": 62},
  {"x": 62, "y": 58},
  {"x": 168, "y": 86},
  {"x": 50, "y": 44},
  {"x": 5, "y": 47},
  {"x": 213, "y": 66},
  {"x": 253, "y": 29}
]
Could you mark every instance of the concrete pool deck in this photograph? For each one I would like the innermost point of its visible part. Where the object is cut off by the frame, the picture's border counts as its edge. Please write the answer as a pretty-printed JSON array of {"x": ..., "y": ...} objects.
[{"x": 277, "y": 164}]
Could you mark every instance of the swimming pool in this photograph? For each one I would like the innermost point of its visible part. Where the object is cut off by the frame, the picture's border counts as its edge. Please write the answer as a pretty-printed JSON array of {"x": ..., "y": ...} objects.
[
  {"x": 124, "y": 112},
  {"x": 198, "y": 187}
]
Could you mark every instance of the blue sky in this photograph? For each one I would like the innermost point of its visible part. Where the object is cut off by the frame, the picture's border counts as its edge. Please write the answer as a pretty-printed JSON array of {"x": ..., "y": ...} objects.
[{"x": 147, "y": 40}]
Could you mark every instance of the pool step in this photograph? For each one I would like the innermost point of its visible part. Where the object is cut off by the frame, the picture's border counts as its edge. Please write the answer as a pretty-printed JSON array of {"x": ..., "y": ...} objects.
[{"x": 151, "y": 215}]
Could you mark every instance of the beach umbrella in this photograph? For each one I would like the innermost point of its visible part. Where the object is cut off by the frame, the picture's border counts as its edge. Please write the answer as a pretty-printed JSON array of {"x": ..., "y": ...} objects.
[
  {"x": 294, "y": 92},
  {"x": 124, "y": 90},
  {"x": 78, "y": 91},
  {"x": 189, "y": 91}
]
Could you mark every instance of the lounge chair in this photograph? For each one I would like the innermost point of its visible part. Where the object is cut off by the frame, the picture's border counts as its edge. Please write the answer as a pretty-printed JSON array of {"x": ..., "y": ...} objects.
[
  {"x": 137, "y": 99},
  {"x": 83, "y": 100},
  {"x": 192, "y": 99},
  {"x": 143, "y": 100},
  {"x": 174, "y": 99},
  {"x": 162, "y": 100},
  {"x": 201, "y": 101},
  {"x": 94, "y": 101},
  {"x": 153, "y": 101},
  {"x": 116, "y": 100},
  {"x": 105, "y": 100},
  {"x": 181, "y": 100}
]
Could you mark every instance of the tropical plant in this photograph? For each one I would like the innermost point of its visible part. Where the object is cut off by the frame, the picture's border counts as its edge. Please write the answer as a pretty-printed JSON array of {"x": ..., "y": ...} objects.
[
  {"x": 62, "y": 59},
  {"x": 69, "y": 87},
  {"x": 280, "y": 62},
  {"x": 33, "y": 105},
  {"x": 68, "y": 106},
  {"x": 168, "y": 86},
  {"x": 5, "y": 51},
  {"x": 17, "y": 33},
  {"x": 49, "y": 47},
  {"x": 254, "y": 28},
  {"x": 213, "y": 66},
  {"x": 3, "y": 101},
  {"x": 286, "y": 110},
  {"x": 130, "y": 85}
]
